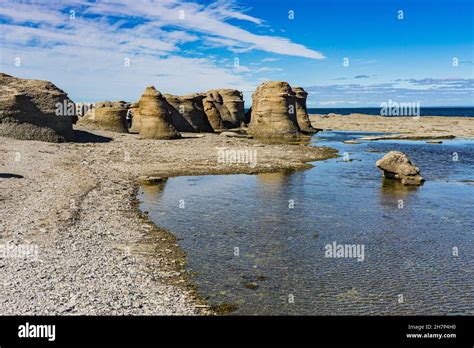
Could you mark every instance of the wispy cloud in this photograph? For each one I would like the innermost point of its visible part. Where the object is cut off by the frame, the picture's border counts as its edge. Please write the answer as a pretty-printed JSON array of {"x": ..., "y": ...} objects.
[
  {"x": 267, "y": 60},
  {"x": 84, "y": 46}
]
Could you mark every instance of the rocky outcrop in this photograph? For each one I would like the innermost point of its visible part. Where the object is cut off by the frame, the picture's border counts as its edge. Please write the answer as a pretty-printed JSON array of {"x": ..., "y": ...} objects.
[
  {"x": 302, "y": 116},
  {"x": 274, "y": 111},
  {"x": 212, "y": 108},
  {"x": 35, "y": 110},
  {"x": 397, "y": 165},
  {"x": 224, "y": 108},
  {"x": 107, "y": 115},
  {"x": 88, "y": 119},
  {"x": 233, "y": 111},
  {"x": 187, "y": 113},
  {"x": 155, "y": 116},
  {"x": 136, "y": 120}
]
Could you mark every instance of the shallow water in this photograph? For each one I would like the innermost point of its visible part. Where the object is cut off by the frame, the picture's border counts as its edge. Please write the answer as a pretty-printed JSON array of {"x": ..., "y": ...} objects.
[{"x": 409, "y": 234}]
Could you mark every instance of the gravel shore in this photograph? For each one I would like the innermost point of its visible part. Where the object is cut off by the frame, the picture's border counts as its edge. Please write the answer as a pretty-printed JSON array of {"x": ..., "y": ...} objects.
[
  {"x": 96, "y": 253},
  {"x": 424, "y": 126}
]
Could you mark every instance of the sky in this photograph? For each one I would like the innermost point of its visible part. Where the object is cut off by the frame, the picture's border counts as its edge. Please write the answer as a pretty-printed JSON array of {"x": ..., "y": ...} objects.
[{"x": 345, "y": 53}]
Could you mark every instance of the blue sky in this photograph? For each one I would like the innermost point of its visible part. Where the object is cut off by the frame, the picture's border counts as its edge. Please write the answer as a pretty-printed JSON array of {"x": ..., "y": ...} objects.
[{"x": 189, "y": 46}]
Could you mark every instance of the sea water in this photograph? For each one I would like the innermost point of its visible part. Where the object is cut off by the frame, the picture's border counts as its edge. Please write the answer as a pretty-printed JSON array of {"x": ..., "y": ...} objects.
[{"x": 261, "y": 242}]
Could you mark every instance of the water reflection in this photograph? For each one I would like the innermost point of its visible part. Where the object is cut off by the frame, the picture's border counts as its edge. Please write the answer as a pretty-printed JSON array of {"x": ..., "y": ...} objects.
[
  {"x": 251, "y": 247},
  {"x": 153, "y": 192},
  {"x": 394, "y": 194},
  {"x": 276, "y": 180}
]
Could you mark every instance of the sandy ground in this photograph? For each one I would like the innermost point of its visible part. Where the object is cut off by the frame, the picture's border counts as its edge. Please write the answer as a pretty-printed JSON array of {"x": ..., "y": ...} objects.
[
  {"x": 423, "y": 127},
  {"x": 96, "y": 253}
]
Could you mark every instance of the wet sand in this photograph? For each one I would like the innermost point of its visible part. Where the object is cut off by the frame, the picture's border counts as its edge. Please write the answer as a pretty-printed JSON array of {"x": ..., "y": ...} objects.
[
  {"x": 97, "y": 254},
  {"x": 422, "y": 127}
]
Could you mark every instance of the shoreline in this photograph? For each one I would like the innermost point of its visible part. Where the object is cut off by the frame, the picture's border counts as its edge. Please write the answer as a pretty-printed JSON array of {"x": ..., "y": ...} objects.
[
  {"x": 81, "y": 201},
  {"x": 424, "y": 126}
]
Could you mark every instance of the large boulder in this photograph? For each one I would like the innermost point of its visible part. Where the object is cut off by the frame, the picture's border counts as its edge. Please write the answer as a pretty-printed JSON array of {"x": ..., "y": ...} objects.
[
  {"x": 107, "y": 115},
  {"x": 155, "y": 116},
  {"x": 397, "y": 165},
  {"x": 302, "y": 116},
  {"x": 274, "y": 111},
  {"x": 136, "y": 119},
  {"x": 187, "y": 113},
  {"x": 224, "y": 108},
  {"x": 35, "y": 110}
]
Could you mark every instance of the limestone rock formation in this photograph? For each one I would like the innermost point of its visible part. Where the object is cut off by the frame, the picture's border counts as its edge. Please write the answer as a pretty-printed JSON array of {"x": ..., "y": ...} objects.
[
  {"x": 88, "y": 119},
  {"x": 155, "y": 116},
  {"x": 107, "y": 116},
  {"x": 274, "y": 111},
  {"x": 136, "y": 120},
  {"x": 224, "y": 108},
  {"x": 212, "y": 108},
  {"x": 397, "y": 165},
  {"x": 302, "y": 116},
  {"x": 35, "y": 110},
  {"x": 187, "y": 113}
]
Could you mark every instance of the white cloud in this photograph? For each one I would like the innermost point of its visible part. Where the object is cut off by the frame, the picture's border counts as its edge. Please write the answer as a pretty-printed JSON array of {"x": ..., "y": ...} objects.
[
  {"x": 207, "y": 20},
  {"x": 85, "y": 55},
  {"x": 269, "y": 60}
]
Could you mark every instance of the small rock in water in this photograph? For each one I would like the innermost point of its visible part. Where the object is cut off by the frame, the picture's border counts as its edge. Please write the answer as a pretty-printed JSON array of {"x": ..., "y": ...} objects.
[
  {"x": 354, "y": 142},
  {"x": 434, "y": 142},
  {"x": 397, "y": 165}
]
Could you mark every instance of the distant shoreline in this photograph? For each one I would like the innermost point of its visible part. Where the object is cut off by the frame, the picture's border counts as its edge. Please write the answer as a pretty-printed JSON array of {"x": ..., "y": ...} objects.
[{"x": 423, "y": 127}]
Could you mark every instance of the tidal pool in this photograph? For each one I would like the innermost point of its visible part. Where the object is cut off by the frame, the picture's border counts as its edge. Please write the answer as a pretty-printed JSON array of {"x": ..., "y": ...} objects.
[{"x": 260, "y": 241}]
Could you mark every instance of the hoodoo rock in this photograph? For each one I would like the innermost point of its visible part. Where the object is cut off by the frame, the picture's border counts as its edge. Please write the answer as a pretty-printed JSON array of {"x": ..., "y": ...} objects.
[
  {"x": 397, "y": 165},
  {"x": 274, "y": 111},
  {"x": 155, "y": 116},
  {"x": 302, "y": 116},
  {"x": 35, "y": 110},
  {"x": 107, "y": 116},
  {"x": 224, "y": 108},
  {"x": 136, "y": 120},
  {"x": 233, "y": 111},
  {"x": 212, "y": 106},
  {"x": 187, "y": 113}
]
